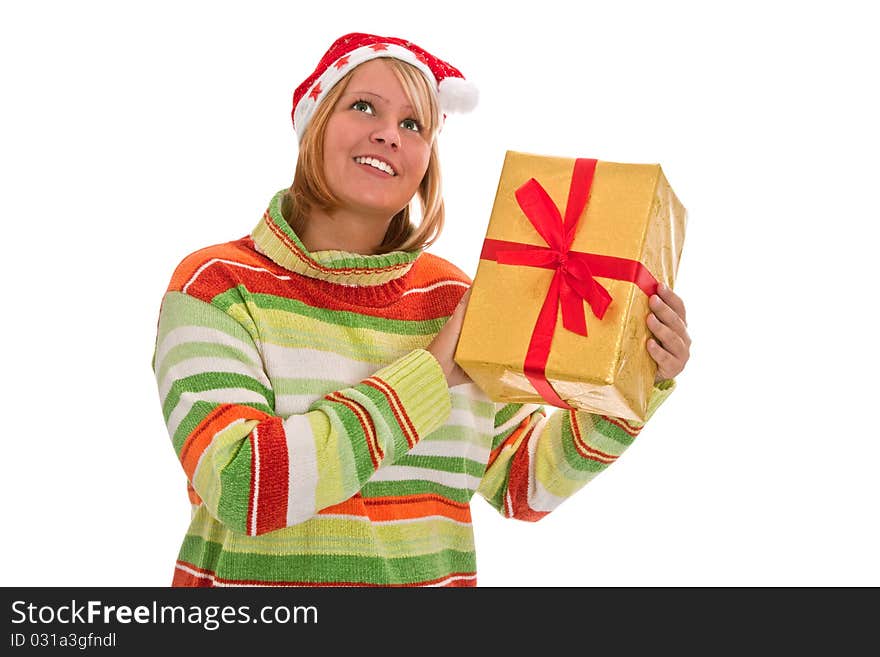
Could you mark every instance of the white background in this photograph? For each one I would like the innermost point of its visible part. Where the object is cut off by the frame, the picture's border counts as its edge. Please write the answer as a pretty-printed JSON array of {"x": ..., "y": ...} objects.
[{"x": 135, "y": 133}]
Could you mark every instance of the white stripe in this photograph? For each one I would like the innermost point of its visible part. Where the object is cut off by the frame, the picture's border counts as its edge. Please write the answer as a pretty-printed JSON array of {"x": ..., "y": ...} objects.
[
  {"x": 189, "y": 570},
  {"x": 467, "y": 417},
  {"x": 537, "y": 496},
  {"x": 255, "y": 484},
  {"x": 184, "y": 334},
  {"x": 302, "y": 472},
  {"x": 232, "y": 263},
  {"x": 220, "y": 396},
  {"x": 453, "y": 448},
  {"x": 410, "y": 473},
  {"x": 453, "y": 578},
  {"x": 518, "y": 417},
  {"x": 435, "y": 286},
  {"x": 293, "y": 363},
  {"x": 202, "y": 365},
  {"x": 540, "y": 499},
  {"x": 296, "y": 404}
]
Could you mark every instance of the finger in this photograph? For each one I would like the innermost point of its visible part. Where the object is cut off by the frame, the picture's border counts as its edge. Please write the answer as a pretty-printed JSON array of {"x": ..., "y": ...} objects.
[
  {"x": 673, "y": 301},
  {"x": 670, "y": 339},
  {"x": 667, "y": 364},
  {"x": 463, "y": 301},
  {"x": 669, "y": 317}
]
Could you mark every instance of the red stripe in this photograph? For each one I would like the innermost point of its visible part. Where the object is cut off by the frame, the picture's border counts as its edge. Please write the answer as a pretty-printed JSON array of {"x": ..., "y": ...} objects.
[
  {"x": 426, "y": 271},
  {"x": 210, "y": 579},
  {"x": 518, "y": 484},
  {"x": 617, "y": 422},
  {"x": 366, "y": 422},
  {"x": 583, "y": 448},
  {"x": 272, "y": 498},
  {"x": 409, "y": 429}
]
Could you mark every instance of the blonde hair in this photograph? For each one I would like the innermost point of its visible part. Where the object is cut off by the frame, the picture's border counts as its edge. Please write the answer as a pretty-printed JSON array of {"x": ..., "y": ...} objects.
[{"x": 310, "y": 189}]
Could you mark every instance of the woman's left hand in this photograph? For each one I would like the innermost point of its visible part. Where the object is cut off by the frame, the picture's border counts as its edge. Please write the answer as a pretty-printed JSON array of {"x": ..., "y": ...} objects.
[{"x": 667, "y": 322}]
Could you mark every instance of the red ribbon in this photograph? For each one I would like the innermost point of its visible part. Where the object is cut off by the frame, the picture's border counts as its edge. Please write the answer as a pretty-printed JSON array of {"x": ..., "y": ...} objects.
[{"x": 575, "y": 271}]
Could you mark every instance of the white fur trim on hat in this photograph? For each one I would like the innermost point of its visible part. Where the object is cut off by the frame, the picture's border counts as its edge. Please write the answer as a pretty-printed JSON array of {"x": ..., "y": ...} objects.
[{"x": 457, "y": 95}]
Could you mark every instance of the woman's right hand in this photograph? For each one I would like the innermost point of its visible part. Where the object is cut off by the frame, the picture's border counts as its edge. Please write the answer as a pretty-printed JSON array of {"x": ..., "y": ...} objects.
[{"x": 444, "y": 343}]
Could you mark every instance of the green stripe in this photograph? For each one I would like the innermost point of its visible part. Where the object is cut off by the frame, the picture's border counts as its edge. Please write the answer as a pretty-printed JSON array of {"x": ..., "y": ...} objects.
[
  {"x": 340, "y": 318},
  {"x": 328, "y": 568},
  {"x": 415, "y": 487},
  {"x": 613, "y": 432},
  {"x": 199, "y": 412},
  {"x": 505, "y": 413},
  {"x": 214, "y": 381},
  {"x": 185, "y": 351},
  {"x": 342, "y": 535},
  {"x": 572, "y": 457},
  {"x": 452, "y": 464},
  {"x": 235, "y": 489},
  {"x": 288, "y": 386},
  {"x": 346, "y": 424}
]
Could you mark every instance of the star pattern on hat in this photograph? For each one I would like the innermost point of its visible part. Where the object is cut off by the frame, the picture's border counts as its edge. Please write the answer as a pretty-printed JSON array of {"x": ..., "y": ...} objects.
[{"x": 353, "y": 49}]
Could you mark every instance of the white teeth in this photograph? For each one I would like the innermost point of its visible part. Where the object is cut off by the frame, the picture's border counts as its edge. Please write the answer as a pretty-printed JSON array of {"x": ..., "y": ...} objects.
[{"x": 377, "y": 164}]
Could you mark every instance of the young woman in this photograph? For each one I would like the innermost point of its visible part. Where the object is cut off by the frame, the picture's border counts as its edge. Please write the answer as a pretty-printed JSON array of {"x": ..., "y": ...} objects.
[{"x": 306, "y": 371}]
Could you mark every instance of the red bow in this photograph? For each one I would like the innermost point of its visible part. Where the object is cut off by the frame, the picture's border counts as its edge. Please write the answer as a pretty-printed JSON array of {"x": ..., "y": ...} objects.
[{"x": 574, "y": 277}]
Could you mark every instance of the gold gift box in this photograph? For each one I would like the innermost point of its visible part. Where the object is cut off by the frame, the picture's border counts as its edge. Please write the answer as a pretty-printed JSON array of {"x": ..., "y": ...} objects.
[{"x": 631, "y": 213}]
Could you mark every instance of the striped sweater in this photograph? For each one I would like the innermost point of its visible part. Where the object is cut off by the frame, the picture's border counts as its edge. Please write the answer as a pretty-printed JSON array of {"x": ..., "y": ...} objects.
[{"x": 320, "y": 441}]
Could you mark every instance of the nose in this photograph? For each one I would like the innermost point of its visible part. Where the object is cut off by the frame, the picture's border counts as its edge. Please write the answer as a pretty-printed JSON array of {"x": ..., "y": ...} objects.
[{"x": 387, "y": 134}]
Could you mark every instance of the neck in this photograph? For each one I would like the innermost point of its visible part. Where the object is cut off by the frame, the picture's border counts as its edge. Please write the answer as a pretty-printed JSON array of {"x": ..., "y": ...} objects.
[{"x": 344, "y": 230}]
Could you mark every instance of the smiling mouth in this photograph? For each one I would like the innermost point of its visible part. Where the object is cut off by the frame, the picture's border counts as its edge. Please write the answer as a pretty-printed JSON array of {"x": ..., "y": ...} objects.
[{"x": 376, "y": 164}]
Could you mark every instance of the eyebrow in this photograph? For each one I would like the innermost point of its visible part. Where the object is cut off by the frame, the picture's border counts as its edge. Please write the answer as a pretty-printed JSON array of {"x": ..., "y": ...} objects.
[{"x": 370, "y": 93}]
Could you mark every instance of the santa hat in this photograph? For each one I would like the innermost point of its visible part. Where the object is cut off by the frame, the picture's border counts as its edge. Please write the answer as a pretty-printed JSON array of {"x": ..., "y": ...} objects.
[{"x": 454, "y": 93}]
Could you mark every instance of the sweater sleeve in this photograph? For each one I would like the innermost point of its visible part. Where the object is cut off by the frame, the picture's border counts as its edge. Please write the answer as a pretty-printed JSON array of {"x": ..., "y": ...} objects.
[
  {"x": 258, "y": 472},
  {"x": 538, "y": 461}
]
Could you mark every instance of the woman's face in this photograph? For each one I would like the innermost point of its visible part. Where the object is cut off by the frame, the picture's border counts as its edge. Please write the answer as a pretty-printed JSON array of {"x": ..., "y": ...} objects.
[{"x": 375, "y": 152}]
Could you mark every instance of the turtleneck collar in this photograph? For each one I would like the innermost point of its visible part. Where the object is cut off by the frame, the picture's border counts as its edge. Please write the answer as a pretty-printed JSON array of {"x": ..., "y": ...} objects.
[{"x": 274, "y": 238}]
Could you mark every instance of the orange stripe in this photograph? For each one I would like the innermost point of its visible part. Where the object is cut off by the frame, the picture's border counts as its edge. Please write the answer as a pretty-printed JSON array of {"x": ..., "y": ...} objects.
[
  {"x": 376, "y": 453},
  {"x": 215, "y": 422},
  {"x": 400, "y": 508},
  {"x": 193, "y": 495},
  {"x": 512, "y": 438},
  {"x": 416, "y": 509},
  {"x": 353, "y": 506},
  {"x": 409, "y": 430}
]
